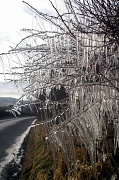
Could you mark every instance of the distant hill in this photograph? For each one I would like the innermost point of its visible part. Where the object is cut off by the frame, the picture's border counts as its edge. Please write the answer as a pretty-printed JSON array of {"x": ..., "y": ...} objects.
[{"x": 6, "y": 101}]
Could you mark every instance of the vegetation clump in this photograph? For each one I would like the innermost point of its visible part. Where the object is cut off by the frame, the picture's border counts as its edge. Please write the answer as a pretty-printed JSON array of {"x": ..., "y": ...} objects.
[{"x": 38, "y": 162}]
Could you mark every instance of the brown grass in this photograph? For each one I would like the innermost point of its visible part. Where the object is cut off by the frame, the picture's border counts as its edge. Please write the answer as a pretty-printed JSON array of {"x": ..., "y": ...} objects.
[
  {"x": 38, "y": 162},
  {"x": 39, "y": 165}
]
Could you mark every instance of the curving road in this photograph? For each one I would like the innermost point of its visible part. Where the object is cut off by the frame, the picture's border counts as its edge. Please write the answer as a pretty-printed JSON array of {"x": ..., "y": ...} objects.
[{"x": 12, "y": 133}]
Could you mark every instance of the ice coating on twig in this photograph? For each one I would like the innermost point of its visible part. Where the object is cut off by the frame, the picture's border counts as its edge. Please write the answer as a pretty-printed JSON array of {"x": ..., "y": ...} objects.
[{"x": 72, "y": 80}]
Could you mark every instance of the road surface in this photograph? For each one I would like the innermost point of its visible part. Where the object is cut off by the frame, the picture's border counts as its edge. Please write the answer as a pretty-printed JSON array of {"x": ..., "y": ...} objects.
[{"x": 12, "y": 133}]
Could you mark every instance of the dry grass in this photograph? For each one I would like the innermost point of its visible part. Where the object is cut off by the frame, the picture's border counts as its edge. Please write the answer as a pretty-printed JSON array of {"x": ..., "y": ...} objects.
[
  {"x": 39, "y": 165},
  {"x": 38, "y": 162}
]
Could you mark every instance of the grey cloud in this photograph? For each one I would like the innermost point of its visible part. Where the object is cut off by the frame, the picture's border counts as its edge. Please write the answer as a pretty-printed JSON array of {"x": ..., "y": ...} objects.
[
  {"x": 8, "y": 90},
  {"x": 4, "y": 36}
]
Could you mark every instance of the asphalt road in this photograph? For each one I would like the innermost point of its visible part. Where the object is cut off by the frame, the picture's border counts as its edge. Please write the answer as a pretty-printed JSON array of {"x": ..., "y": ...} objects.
[{"x": 11, "y": 131}]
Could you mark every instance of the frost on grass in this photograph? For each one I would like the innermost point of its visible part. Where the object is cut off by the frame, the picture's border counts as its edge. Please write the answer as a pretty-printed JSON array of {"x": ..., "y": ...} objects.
[{"x": 72, "y": 76}]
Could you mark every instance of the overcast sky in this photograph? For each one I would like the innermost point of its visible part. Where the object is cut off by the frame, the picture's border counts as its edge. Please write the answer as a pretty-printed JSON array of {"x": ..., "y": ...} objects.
[{"x": 14, "y": 16}]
